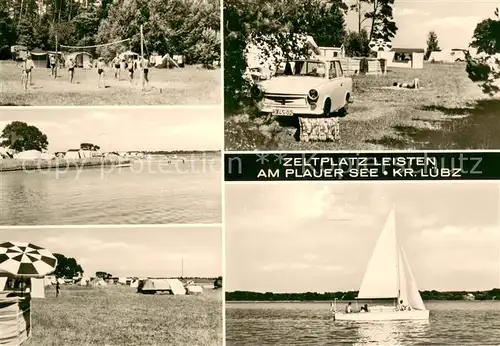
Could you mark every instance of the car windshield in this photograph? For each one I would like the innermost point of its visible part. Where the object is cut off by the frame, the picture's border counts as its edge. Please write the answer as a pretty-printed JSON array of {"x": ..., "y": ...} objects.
[{"x": 302, "y": 68}]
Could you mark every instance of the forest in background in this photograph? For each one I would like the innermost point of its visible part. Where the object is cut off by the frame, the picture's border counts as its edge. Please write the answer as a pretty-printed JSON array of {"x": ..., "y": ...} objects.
[
  {"x": 186, "y": 27},
  {"x": 493, "y": 294}
]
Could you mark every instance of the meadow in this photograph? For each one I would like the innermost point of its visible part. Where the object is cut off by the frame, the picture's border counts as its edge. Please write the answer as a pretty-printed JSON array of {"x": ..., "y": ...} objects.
[
  {"x": 450, "y": 112},
  {"x": 190, "y": 85},
  {"x": 117, "y": 315}
]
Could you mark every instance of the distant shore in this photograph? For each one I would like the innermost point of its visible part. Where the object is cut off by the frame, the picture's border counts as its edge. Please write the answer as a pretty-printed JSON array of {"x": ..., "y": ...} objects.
[
  {"x": 247, "y": 296},
  {"x": 10, "y": 165}
]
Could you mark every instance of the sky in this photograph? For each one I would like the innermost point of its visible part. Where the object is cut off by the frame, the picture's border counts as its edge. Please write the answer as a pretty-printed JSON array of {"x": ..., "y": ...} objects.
[
  {"x": 453, "y": 21},
  {"x": 132, "y": 251},
  {"x": 124, "y": 129},
  {"x": 319, "y": 237}
]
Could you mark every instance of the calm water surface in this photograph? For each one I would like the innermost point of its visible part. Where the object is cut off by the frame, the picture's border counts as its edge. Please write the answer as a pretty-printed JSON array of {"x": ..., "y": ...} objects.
[
  {"x": 148, "y": 192},
  {"x": 450, "y": 323}
]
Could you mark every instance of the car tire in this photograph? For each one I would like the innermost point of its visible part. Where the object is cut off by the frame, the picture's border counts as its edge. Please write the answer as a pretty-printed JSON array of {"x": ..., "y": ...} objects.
[
  {"x": 344, "y": 110},
  {"x": 327, "y": 108}
]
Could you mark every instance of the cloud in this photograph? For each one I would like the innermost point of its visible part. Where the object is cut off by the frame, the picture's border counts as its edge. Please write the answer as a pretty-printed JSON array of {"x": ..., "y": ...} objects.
[
  {"x": 460, "y": 233},
  {"x": 410, "y": 12},
  {"x": 454, "y": 22}
]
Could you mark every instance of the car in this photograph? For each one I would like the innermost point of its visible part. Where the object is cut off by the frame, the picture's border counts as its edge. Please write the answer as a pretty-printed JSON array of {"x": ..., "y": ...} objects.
[{"x": 314, "y": 87}]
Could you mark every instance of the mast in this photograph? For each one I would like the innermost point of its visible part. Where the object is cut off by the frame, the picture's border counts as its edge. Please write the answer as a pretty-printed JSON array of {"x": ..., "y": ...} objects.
[{"x": 182, "y": 267}]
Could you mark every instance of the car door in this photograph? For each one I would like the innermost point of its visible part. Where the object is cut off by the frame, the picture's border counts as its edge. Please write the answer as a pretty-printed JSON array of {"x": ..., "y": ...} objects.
[{"x": 336, "y": 85}]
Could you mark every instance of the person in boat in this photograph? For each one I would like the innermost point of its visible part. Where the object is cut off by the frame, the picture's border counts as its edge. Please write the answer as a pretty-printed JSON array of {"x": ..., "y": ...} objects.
[
  {"x": 403, "y": 307},
  {"x": 348, "y": 308}
]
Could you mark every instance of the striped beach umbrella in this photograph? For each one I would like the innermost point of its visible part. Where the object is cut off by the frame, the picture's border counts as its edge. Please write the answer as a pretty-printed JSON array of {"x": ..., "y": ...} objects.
[
  {"x": 380, "y": 45},
  {"x": 26, "y": 259}
]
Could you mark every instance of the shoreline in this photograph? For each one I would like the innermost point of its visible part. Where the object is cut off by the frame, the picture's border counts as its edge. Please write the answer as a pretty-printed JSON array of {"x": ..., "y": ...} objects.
[
  {"x": 340, "y": 301},
  {"x": 13, "y": 165}
]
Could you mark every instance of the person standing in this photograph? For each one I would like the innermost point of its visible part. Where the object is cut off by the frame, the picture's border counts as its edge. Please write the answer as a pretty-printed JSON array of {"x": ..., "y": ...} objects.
[
  {"x": 71, "y": 69},
  {"x": 348, "y": 308},
  {"x": 130, "y": 68},
  {"x": 53, "y": 67},
  {"x": 116, "y": 64},
  {"x": 58, "y": 287},
  {"x": 27, "y": 71},
  {"x": 100, "y": 72}
]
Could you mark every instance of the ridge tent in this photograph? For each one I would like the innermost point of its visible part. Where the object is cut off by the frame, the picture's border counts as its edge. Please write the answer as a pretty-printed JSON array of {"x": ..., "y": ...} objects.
[
  {"x": 194, "y": 289},
  {"x": 29, "y": 155},
  {"x": 82, "y": 59},
  {"x": 97, "y": 282},
  {"x": 40, "y": 58},
  {"x": 174, "y": 286}
]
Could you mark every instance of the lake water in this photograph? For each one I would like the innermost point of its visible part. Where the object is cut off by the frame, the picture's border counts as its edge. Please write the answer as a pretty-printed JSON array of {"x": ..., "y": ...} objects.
[
  {"x": 148, "y": 192},
  {"x": 450, "y": 323}
]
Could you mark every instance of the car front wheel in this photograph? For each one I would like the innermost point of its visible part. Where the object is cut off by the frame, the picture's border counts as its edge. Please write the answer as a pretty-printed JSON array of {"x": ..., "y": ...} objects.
[{"x": 327, "y": 108}]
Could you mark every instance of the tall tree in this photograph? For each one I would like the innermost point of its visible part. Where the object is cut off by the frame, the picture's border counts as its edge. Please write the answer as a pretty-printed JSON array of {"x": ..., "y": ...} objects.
[
  {"x": 67, "y": 267},
  {"x": 383, "y": 24},
  {"x": 358, "y": 7},
  {"x": 484, "y": 69},
  {"x": 21, "y": 137},
  {"x": 357, "y": 44},
  {"x": 432, "y": 44}
]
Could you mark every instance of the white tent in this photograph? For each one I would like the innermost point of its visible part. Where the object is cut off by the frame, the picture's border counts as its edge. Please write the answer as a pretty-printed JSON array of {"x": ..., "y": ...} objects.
[
  {"x": 47, "y": 156},
  {"x": 49, "y": 280},
  {"x": 128, "y": 54},
  {"x": 448, "y": 55},
  {"x": 158, "y": 285},
  {"x": 84, "y": 281},
  {"x": 29, "y": 155},
  {"x": 194, "y": 289},
  {"x": 98, "y": 282}
]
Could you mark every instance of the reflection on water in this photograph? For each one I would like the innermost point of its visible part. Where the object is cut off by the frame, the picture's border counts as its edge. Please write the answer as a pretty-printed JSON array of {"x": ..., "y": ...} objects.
[
  {"x": 146, "y": 192},
  {"x": 450, "y": 323},
  {"x": 390, "y": 332}
]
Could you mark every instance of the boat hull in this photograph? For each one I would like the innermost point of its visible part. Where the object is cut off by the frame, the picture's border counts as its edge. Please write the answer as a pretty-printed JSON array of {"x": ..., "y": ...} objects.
[{"x": 383, "y": 316}]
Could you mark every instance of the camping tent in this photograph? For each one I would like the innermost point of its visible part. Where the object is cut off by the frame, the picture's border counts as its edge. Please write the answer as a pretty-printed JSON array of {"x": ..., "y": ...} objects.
[
  {"x": 82, "y": 59},
  {"x": 128, "y": 54},
  {"x": 97, "y": 282},
  {"x": 19, "y": 52},
  {"x": 173, "y": 286},
  {"x": 49, "y": 280},
  {"x": 194, "y": 289},
  {"x": 29, "y": 155},
  {"x": 40, "y": 58},
  {"x": 47, "y": 156}
]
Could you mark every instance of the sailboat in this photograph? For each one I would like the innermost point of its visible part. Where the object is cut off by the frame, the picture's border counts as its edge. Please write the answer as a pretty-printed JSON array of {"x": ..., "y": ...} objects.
[{"x": 388, "y": 276}]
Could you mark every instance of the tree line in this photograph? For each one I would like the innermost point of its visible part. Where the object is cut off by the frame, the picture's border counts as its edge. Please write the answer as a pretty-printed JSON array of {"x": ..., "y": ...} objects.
[
  {"x": 278, "y": 23},
  {"x": 187, "y": 27},
  {"x": 493, "y": 294}
]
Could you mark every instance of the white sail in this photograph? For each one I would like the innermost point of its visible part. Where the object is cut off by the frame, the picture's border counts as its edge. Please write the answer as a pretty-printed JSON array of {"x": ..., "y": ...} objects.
[
  {"x": 381, "y": 279},
  {"x": 403, "y": 279},
  {"x": 409, "y": 285}
]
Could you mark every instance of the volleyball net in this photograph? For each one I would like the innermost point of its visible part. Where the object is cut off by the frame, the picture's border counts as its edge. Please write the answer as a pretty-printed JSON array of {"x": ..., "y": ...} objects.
[{"x": 85, "y": 56}]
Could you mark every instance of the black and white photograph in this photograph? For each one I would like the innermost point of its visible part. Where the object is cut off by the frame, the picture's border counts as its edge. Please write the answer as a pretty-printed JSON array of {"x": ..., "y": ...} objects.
[
  {"x": 407, "y": 263},
  {"x": 361, "y": 75},
  {"x": 111, "y": 286},
  {"x": 83, "y": 166},
  {"x": 110, "y": 52}
]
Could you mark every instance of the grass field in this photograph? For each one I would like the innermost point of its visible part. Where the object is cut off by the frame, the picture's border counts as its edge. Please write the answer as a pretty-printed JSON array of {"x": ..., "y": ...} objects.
[
  {"x": 117, "y": 315},
  {"x": 449, "y": 113},
  {"x": 183, "y": 86}
]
